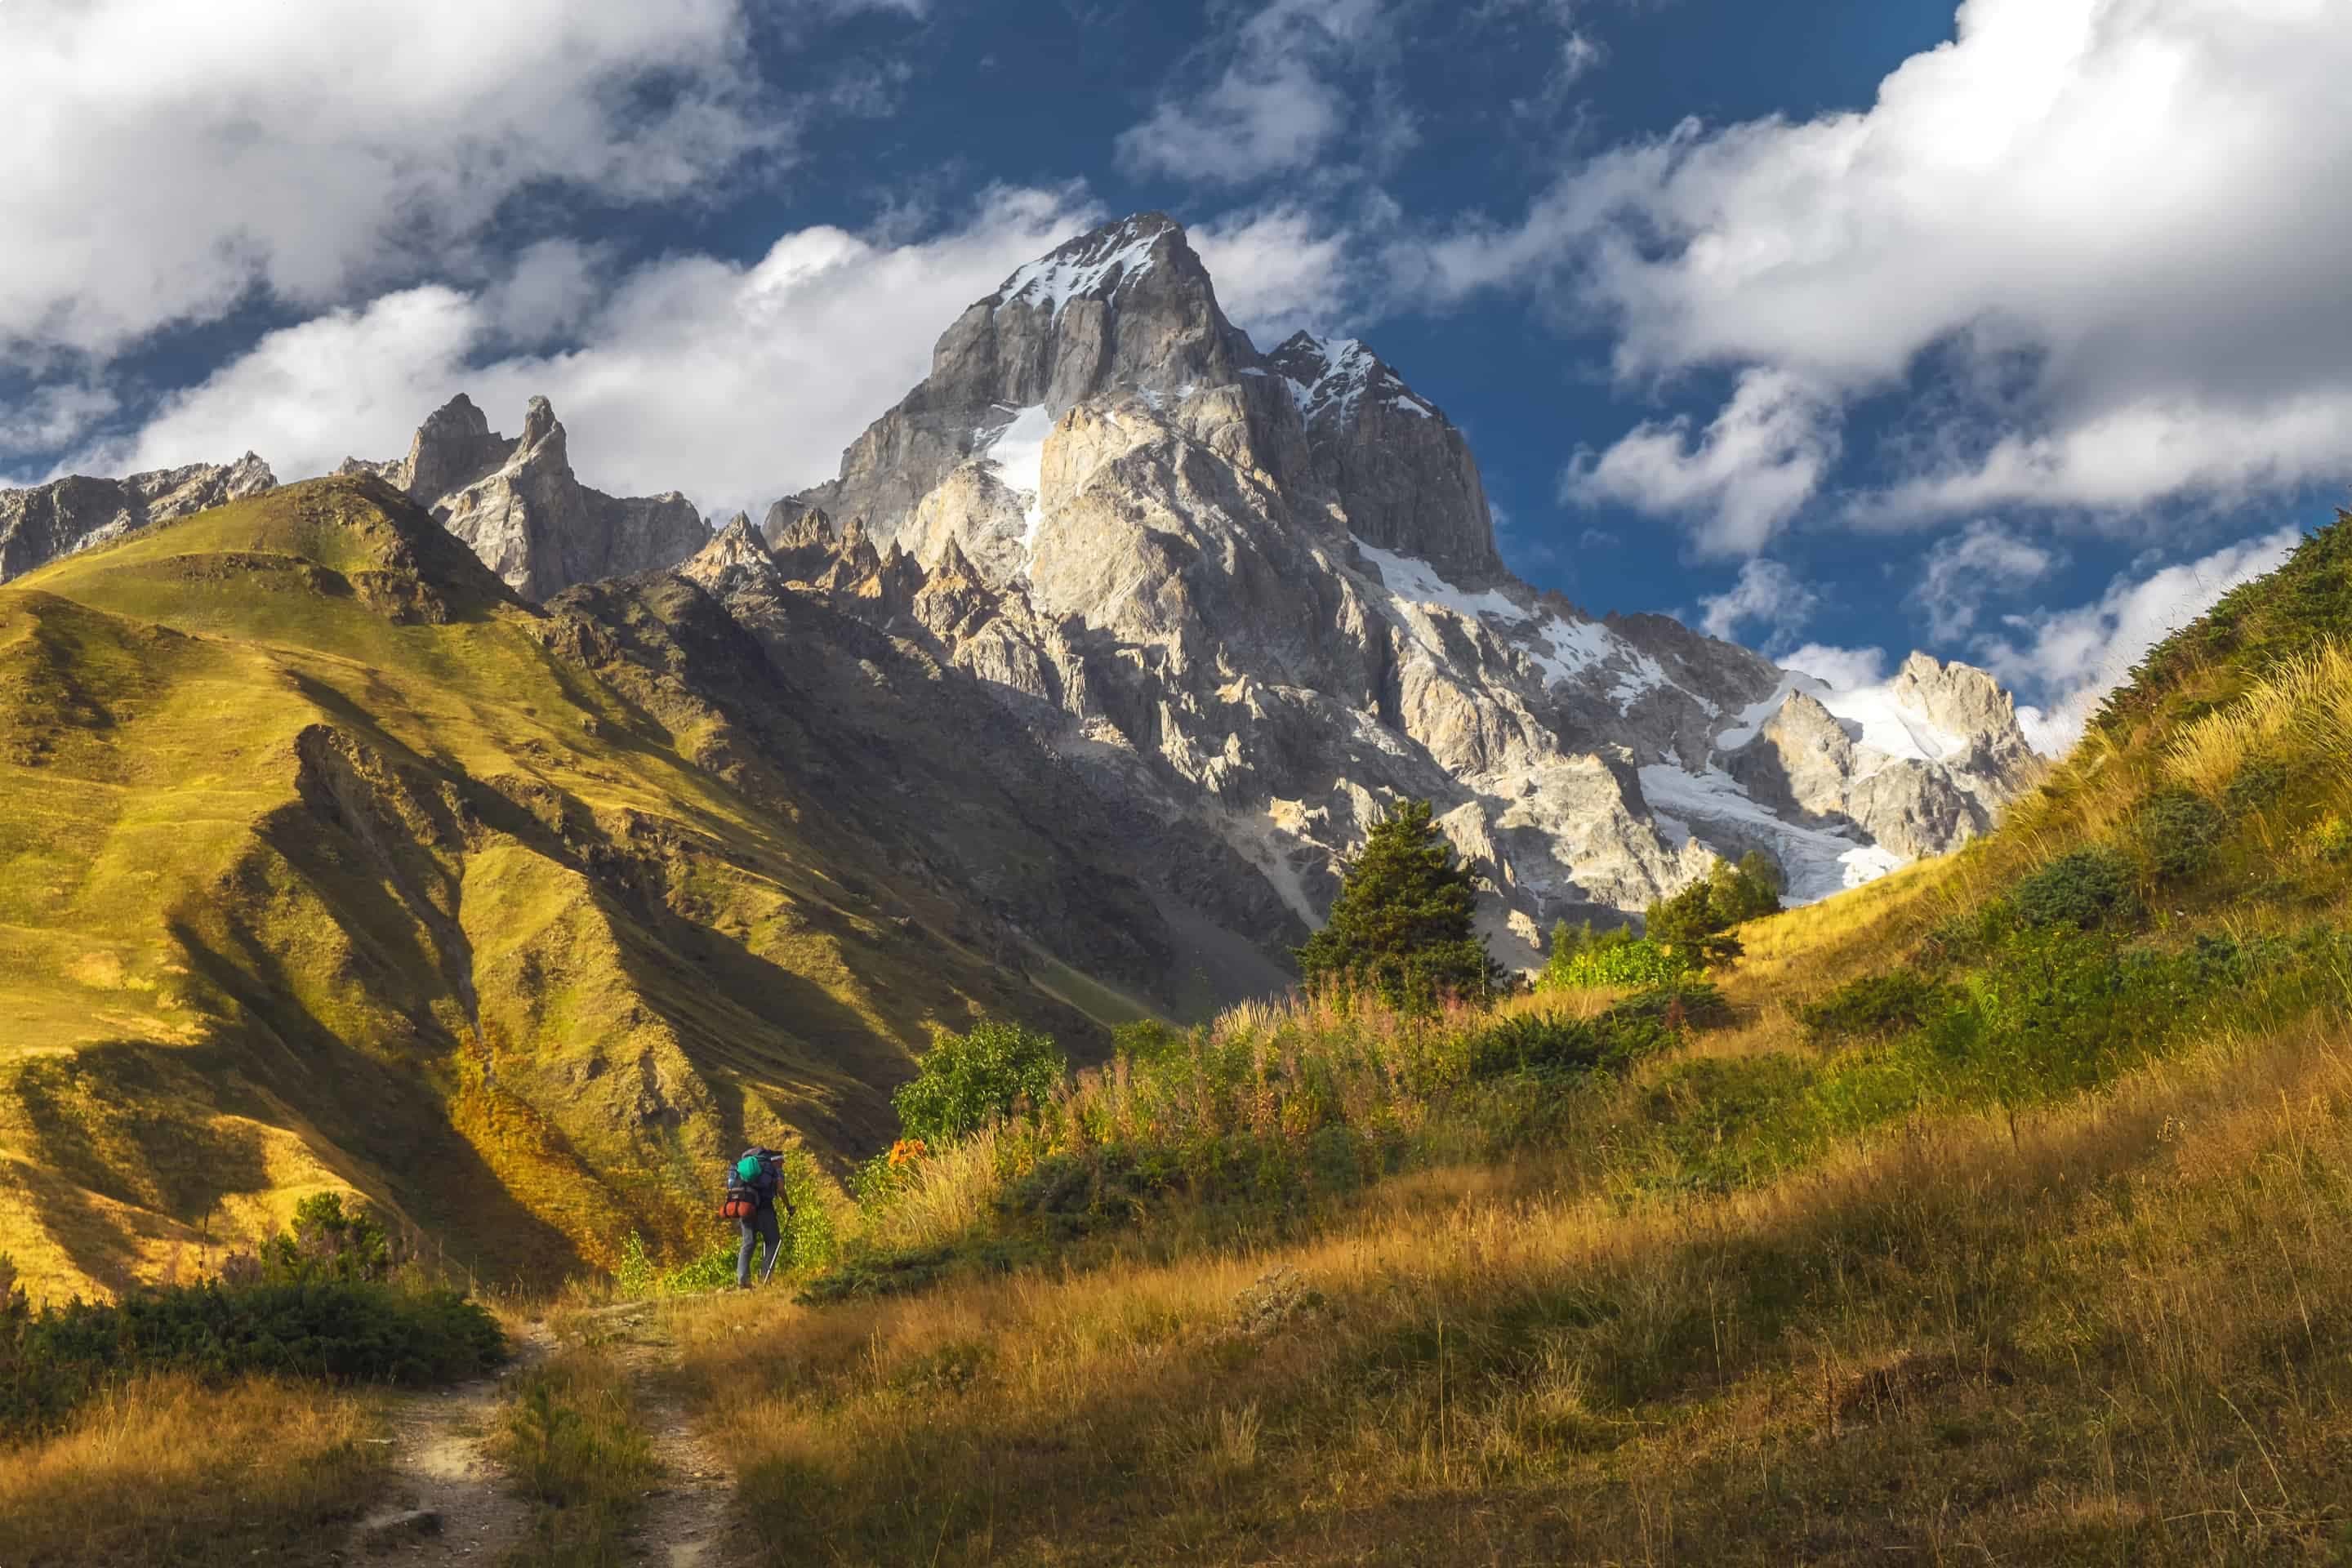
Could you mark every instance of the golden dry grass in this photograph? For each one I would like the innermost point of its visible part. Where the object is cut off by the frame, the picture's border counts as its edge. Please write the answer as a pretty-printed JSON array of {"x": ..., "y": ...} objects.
[
  {"x": 2119, "y": 1339},
  {"x": 2305, "y": 698},
  {"x": 161, "y": 1470},
  {"x": 570, "y": 1441}
]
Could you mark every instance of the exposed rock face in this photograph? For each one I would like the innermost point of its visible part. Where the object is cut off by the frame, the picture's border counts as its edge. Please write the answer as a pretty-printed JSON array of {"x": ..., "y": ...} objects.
[
  {"x": 1260, "y": 596},
  {"x": 517, "y": 504},
  {"x": 36, "y": 526},
  {"x": 1399, "y": 468}
]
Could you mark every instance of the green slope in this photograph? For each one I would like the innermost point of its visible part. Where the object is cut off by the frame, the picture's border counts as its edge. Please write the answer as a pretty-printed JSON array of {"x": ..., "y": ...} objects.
[{"x": 318, "y": 866}]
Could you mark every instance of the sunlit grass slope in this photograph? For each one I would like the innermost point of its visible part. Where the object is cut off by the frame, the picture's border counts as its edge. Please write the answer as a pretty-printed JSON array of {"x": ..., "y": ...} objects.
[
  {"x": 2007, "y": 1219},
  {"x": 318, "y": 868}
]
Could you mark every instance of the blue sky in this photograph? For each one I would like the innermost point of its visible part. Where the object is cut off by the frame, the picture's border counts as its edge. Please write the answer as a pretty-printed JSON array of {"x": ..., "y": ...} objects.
[{"x": 2012, "y": 330}]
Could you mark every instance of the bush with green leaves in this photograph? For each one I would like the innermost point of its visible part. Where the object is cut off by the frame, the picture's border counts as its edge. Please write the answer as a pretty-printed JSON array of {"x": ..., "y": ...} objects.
[
  {"x": 2258, "y": 783},
  {"x": 2175, "y": 833},
  {"x": 2089, "y": 890},
  {"x": 1402, "y": 925},
  {"x": 967, "y": 1081},
  {"x": 1877, "y": 1006},
  {"x": 325, "y": 1243},
  {"x": 54, "y": 1359},
  {"x": 1584, "y": 960}
]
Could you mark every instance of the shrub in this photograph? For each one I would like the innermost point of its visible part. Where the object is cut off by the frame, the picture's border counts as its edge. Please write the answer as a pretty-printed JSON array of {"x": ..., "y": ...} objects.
[
  {"x": 2259, "y": 782},
  {"x": 1529, "y": 1042},
  {"x": 2090, "y": 889},
  {"x": 2331, "y": 840},
  {"x": 1614, "y": 959},
  {"x": 1695, "y": 923},
  {"x": 2176, "y": 832},
  {"x": 966, "y": 1081},
  {"x": 324, "y": 1244},
  {"x": 1681, "y": 1002},
  {"x": 1876, "y": 1005},
  {"x": 1634, "y": 1028},
  {"x": 53, "y": 1360}
]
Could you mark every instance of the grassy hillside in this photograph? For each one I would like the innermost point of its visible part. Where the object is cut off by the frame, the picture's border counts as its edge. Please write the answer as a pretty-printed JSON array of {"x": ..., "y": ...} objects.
[{"x": 322, "y": 867}]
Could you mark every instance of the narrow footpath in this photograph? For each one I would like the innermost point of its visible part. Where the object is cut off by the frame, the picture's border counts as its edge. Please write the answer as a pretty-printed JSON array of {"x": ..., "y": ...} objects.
[{"x": 448, "y": 1502}]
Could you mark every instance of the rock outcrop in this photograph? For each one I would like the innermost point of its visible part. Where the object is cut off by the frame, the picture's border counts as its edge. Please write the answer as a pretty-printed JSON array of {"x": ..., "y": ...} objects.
[
  {"x": 518, "y": 505},
  {"x": 1259, "y": 596},
  {"x": 38, "y": 525}
]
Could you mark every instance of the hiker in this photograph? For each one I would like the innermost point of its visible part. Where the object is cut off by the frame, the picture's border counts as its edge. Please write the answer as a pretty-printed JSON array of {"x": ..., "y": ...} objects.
[{"x": 754, "y": 1186}]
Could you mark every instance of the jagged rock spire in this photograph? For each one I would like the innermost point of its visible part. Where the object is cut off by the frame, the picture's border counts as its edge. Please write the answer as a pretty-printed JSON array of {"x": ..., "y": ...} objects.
[{"x": 518, "y": 505}]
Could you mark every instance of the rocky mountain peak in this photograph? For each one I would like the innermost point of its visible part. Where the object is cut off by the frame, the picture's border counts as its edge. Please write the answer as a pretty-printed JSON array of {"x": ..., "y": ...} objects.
[
  {"x": 453, "y": 447},
  {"x": 1260, "y": 594},
  {"x": 1401, "y": 471},
  {"x": 40, "y": 524},
  {"x": 1966, "y": 701},
  {"x": 1126, "y": 312},
  {"x": 539, "y": 425},
  {"x": 735, "y": 555},
  {"x": 1332, "y": 380},
  {"x": 1100, "y": 264},
  {"x": 518, "y": 505}
]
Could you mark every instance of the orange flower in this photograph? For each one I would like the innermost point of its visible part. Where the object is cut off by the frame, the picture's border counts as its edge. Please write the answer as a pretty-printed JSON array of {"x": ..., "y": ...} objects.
[{"x": 907, "y": 1151}]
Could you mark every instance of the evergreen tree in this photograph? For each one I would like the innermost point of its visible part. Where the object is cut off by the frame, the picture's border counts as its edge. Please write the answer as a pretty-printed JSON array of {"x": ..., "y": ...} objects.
[
  {"x": 1697, "y": 922},
  {"x": 1400, "y": 926}
]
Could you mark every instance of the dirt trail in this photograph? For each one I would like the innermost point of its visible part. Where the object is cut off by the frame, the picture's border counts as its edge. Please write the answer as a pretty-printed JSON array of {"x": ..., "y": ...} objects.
[
  {"x": 686, "y": 1520},
  {"x": 684, "y": 1524},
  {"x": 448, "y": 1502}
]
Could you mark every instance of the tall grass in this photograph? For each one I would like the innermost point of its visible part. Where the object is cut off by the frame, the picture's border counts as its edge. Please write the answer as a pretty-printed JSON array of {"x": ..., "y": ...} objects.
[
  {"x": 570, "y": 1442},
  {"x": 2115, "y": 1339},
  {"x": 1274, "y": 1106},
  {"x": 2306, "y": 699},
  {"x": 161, "y": 1469}
]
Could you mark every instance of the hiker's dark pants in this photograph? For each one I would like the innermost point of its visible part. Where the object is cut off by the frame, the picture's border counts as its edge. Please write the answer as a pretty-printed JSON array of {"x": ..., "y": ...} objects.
[{"x": 758, "y": 1225}]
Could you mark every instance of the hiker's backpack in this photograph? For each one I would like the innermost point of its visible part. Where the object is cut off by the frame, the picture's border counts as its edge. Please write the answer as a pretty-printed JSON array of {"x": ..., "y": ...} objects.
[{"x": 742, "y": 1199}]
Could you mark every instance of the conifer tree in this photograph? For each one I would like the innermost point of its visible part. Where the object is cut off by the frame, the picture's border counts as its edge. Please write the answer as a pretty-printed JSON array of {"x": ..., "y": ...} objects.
[{"x": 1402, "y": 924}]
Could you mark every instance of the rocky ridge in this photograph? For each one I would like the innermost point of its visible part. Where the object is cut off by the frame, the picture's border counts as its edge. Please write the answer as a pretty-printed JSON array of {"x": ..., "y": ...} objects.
[
  {"x": 40, "y": 524},
  {"x": 1259, "y": 595},
  {"x": 518, "y": 505}
]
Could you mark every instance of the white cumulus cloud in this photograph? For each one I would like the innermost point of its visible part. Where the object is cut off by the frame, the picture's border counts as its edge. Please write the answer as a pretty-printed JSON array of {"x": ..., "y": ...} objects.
[
  {"x": 1278, "y": 270},
  {"x": 160, "y": 161},
  {"x": 1962, "y": 570},
  {"x": 2132, "y": 207},
  {"x": 1767, "y": 593},
  {"x": 1274, "y": 105},
  {"x": 1740, "y": 479}
]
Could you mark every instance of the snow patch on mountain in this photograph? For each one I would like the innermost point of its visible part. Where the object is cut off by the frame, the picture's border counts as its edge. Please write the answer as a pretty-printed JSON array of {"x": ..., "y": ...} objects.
[
  {"x": 1712, "y": 806},
  {"x": 1564, "y": 650},
  {"x": 1333, "y": 375},
  {"x": 1078, "y": 271},
  {"x": 1411, "y": 582},
  {"x": 1017, "y": 450},
  {"x": 1871, "y": 716}
]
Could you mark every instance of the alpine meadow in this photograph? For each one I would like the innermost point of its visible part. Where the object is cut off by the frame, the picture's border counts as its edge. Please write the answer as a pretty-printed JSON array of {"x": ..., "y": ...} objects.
[{"x": 1056, "y": 932}]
